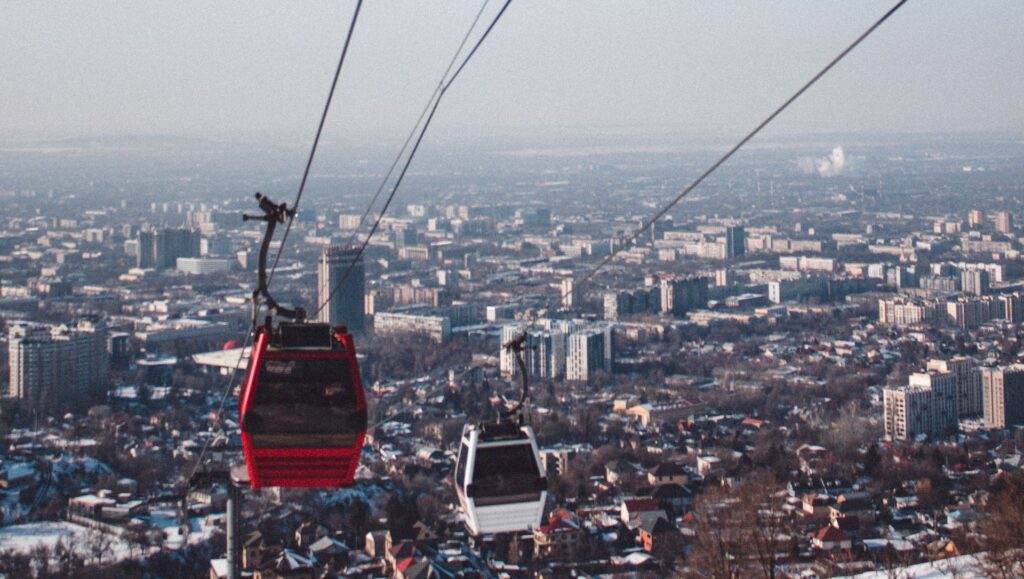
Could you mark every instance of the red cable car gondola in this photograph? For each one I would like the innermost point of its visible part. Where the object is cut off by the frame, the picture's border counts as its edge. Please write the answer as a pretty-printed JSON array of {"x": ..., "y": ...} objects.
[{"x": 302, "y": 409}]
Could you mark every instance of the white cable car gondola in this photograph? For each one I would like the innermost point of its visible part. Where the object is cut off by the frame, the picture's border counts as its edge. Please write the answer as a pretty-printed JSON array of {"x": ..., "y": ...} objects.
[{"x": 499, "y": 477}]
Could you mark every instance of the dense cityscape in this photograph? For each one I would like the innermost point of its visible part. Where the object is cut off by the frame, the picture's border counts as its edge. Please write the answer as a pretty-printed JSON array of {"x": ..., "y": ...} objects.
[{"x": 810, "y": 368}]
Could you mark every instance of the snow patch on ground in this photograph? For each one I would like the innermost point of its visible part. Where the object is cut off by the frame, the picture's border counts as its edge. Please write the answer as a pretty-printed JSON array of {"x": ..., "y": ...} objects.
[
  {"x": 963, "y": 567},
  {"x": 24, "y": 538}
]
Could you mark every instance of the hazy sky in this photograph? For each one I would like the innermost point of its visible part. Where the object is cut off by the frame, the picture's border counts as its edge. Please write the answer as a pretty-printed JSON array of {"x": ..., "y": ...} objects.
[{"x": 229, "y": 69}]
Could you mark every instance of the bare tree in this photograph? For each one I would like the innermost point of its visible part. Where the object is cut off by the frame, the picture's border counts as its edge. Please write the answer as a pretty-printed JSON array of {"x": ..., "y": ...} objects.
[
  {"x": 1003, "y": 530},
  {"x": 768, "y": 524},
  {"x": 743, "y": 531},
  {"x": 719, "y": 547},
  {"x": 99, "y": 544}
]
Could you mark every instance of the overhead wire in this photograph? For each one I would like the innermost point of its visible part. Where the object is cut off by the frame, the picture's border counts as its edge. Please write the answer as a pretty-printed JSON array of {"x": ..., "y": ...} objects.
[
  {"x": 442, "y": 88},
  {"x": 316, "y": 140},
  {"x": 419, "y": 120},
  {"x": 412, "y": 155},
  {"x": 631, "y": 241}
]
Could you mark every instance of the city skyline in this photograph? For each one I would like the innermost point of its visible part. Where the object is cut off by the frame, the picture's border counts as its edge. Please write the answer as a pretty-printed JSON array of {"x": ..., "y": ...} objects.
[{"x": 597, "y": 332}]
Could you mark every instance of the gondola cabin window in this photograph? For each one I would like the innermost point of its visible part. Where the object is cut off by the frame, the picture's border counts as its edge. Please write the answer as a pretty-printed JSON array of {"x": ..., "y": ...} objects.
[
  {"x": 504, "y": 473},
  {"x": 304, "y": 402}
]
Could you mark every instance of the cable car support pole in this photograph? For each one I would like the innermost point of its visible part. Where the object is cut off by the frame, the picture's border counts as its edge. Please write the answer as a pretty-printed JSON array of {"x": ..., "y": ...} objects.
[{"x": 232, "y": 479}]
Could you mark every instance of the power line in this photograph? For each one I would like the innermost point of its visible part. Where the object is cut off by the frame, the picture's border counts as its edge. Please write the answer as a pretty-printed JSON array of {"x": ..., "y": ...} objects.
[
  {"x": 412, "y": 155},
  {"x": 412, "y": 132},
  {"x": 316, "y": 139}
]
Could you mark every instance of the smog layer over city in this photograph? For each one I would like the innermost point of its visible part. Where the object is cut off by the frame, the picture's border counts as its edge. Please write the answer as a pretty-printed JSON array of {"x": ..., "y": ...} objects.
[{"x": 507, "y": 289}]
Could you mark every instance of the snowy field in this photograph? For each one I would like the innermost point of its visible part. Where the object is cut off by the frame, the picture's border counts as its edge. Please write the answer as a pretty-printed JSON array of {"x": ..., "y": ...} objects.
[
  {"x": 963, "y": 567},
  {"x": 24, "y": 538}
]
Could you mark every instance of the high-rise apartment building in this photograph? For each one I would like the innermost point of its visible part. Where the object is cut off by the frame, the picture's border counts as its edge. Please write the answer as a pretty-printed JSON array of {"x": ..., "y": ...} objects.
[
  {"x": 926, "y": 405},
  {"x": 341, "y": 285},
  {"x": 586, "y": 355},
  {"x": 570, "y": 349},
  {"x": 1012, "y": 307},
  {"x": 735, "y": 241},
  {"x": 570, "y": 295},
  {"x": 544, "y": 352},
  {"x": 1003, "y": 395},
  {"x": 161, "y": 248},
  {"x": 900, "y": 311},
  {"x": 679, "y": 296},
  {"x": 1003, "y": 221},
  {"x": 622, "y": 303},
  {"x": 968, "y": 383},
  {"x": 975, "y": 281},
  {"x": 906, "y": 411},
  {"x": 52, "y": 361}
]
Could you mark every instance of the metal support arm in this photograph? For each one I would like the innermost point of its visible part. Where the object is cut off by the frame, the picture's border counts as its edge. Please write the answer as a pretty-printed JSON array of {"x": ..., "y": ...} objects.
[{"x": 273, "y": 214}]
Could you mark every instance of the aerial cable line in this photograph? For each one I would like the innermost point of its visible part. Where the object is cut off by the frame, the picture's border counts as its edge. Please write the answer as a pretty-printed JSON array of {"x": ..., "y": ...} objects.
[
  {"x": 686, "y": 191},
  {"x": 632, "y": 239},
  {"x": 412, "y": 155},
  {"x": 415, "y": 127},
  {"x": 316, "y": 139}
]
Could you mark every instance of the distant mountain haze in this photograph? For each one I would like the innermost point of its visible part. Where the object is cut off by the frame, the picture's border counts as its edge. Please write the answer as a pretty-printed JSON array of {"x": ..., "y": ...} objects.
[{"x": 262, "y": 69}]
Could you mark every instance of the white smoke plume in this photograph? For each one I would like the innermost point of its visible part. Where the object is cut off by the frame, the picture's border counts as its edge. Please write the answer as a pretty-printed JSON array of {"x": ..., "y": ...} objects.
[{"x": 829, "y": 166}]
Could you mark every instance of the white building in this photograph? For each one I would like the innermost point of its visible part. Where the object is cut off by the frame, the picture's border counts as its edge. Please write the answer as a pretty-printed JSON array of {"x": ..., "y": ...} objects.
[
  {"x": 57, "y": 360},
  {"x": 926, "y": 405},
  {"x": 586, "y": 355},
  {"x": 437, "y": 328},
  {"x": 549, "y": 351},
  {"x": 203, "y": 265},
  {"x": 968, "y": 380}
]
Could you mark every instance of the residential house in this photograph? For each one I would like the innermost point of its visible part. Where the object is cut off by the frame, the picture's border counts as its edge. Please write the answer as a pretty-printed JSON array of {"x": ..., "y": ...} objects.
[
  {"x": 672, "y": 497},
  {"x": 817, "y": 505},
  {"x": 660, "y": 537},
  {"x": 288, "y": 564},
  {"x": 378, "y": 543},
  {"x": 560, "y": 538},
  {"x": 330, "y": 552},
  {"x": 709, "y": 465},
  {"x": 858, "y": 506},
  {"x": 308, "y": 532},
  {"x": 668, "y": 473},
  {"x": 617, "y": 471},
  {"x": 632, "y": 507},
  {"x": 812, "y": 458},
  {"x": 830, "y": 538}
]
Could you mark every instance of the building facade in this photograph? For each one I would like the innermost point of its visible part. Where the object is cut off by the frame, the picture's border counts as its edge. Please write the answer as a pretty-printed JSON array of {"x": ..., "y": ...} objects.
[
  {"x": 926, "y": 405},
  {"x": 968, "y": 383},
  {"x": 679, "y": 296},
  {"x": 161, "y": 248},
  {"x": 48, "y": 362},
  {"x": 437, "y": 328},
  {"x": 1003, "y": 396},
  {"x": 341, "y": 285}
]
